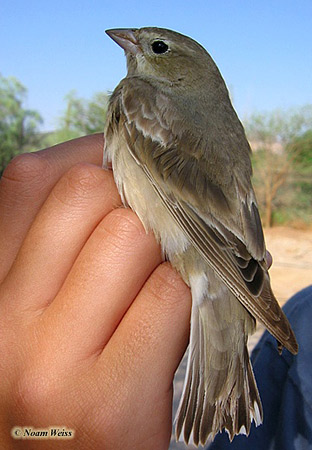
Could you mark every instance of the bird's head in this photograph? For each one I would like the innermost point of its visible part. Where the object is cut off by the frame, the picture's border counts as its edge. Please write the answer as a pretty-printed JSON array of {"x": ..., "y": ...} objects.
[{"x": 165, "y": 55}]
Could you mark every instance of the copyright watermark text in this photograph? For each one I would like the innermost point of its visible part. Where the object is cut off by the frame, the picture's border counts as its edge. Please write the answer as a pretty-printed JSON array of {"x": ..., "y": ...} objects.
[{"x": 56, "y": 432}]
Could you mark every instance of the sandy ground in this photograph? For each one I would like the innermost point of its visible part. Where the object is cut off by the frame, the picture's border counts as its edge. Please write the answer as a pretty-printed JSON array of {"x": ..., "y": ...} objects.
[
  {"x": 292, "y": 260},
  {"x": 291, "y": 271}
]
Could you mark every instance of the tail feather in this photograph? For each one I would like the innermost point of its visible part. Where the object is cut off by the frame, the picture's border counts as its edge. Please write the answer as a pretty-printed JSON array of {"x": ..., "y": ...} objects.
[
  {"x": 189, "y": 400},
  {"x": 220, "y": 390}
]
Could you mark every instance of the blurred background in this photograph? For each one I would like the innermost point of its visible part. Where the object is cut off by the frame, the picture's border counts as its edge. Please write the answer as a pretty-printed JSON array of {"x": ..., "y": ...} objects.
[{"x": 57, "y": 69}]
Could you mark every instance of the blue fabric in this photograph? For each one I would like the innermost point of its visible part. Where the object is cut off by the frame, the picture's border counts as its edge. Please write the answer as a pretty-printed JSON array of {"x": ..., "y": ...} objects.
[{"x": 285, "y": 386}]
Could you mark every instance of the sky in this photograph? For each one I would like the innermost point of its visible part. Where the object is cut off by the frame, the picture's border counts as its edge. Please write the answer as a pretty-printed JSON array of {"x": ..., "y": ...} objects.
[{"x": 263, "y": 48}]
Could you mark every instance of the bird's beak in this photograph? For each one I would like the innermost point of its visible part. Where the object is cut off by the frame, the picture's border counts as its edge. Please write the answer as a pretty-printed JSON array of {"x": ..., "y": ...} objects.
[{"x": 126, "y": 38}]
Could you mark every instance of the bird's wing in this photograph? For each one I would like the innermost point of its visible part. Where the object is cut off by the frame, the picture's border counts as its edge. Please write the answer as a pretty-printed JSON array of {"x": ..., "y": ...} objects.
[{"x": 221, "y": 220}]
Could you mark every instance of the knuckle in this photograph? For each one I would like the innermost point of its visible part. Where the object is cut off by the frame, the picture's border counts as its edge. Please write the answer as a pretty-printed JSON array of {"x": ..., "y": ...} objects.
[
  {"x": 80, "y": 183},
  {"x": 166, "y": 284},
  {"x": 33, "y": 391},
  {"x": 124, "y": 226},
  {"x": 27, "y": 168}
]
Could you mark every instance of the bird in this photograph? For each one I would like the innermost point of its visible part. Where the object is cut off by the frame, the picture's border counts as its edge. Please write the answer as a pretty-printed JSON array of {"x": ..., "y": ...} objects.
[{"x": 181, "y": 162}]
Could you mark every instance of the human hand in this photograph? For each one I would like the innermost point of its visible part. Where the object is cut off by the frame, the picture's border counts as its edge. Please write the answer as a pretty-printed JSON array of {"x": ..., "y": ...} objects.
[{"x": 92, "y": 323}]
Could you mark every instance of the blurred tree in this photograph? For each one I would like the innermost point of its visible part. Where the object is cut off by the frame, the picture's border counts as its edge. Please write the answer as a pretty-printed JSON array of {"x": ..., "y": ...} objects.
[
  {"x": 18, "y": 125},
  {"x": 96, "y": 112},
  {"x": 80, "y": 117},
  {"x": 277, "y": 140},
  {"x": 301, "y": 149}
]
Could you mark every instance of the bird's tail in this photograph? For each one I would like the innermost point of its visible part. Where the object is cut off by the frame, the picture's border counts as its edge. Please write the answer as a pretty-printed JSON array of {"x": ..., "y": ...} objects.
[{"x": 220, "y": 390}]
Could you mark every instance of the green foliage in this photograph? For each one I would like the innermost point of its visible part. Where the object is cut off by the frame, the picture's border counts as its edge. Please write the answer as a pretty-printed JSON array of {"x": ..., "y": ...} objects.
[
  {"x": 282, "y": 162},
  {"x": 18, "y": 125},
  {"x": 80, "y": 117},
  {"x": 279, "y": 126},
  {"x": 301, "y": 148}
]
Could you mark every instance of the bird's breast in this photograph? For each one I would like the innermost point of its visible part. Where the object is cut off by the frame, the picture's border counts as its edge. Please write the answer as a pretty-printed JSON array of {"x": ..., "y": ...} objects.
[{"x": 137, "y": 192}]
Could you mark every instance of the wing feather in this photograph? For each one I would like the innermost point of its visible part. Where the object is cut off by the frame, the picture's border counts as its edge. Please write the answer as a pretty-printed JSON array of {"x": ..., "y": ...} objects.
[{"x": 231, "y": 243}]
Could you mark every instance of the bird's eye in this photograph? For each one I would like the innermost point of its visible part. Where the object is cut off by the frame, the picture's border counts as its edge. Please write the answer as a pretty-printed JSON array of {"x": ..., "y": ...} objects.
[{"x": 159, "y": 47}]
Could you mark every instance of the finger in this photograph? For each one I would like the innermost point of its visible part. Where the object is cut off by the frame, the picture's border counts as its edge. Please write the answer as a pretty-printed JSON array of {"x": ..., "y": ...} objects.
[
  {"x": 84, "y": 149},
  {"x": 134, "y": 372},
  {"x": 73, "y": 210},
  {"x": 269, "y": 259},
  {"x": 27, "y": 182},
  {"x": 107, "y": 276},
  {"x": 144, "y": 352}
]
